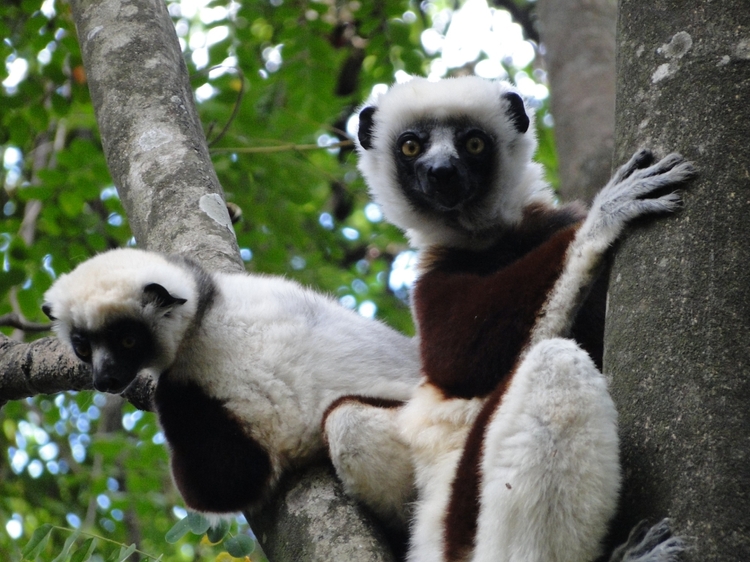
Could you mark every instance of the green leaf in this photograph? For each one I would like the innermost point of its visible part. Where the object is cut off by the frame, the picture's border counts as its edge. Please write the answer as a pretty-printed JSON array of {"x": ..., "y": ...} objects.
[
  {"x": 38, "y": 541},
  {"x": 84, "y": 552},
  {"x": 198, "y": 523},
  {"x": 125, "y": 552},
  {"x": 217, "y": 533},
  {"x": 239, "y": 546},
  {"x": 66, "y": 547},
  {"x": 178, "y": 531}
]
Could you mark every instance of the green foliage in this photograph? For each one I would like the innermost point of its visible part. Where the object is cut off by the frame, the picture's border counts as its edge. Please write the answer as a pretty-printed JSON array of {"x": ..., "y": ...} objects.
[
  {"x": 237, "y": 546},
  {"x": 280, "y": 76},
  {"x": 74, "y": 550}
]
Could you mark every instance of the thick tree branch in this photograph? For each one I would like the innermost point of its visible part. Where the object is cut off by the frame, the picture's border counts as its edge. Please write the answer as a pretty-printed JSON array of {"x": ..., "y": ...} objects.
[
  {"x": 678, "y": 324},
  {"x": 152, "y": 137},
  {"x": 47, "y": 366}
]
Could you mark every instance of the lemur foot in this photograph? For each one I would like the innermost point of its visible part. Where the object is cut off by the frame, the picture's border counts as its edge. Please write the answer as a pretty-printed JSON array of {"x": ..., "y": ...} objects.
[{"x": 650, "y": 544}]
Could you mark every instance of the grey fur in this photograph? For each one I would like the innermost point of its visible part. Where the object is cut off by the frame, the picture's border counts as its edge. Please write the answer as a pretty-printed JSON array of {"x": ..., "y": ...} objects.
[{"x": 651, "y": 544}]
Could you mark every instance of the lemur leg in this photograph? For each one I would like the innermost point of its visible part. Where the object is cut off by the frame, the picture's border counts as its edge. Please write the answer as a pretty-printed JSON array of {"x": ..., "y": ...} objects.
[
  {"x": 550, "y": 471},
  {"x": 371, "y": 459}
]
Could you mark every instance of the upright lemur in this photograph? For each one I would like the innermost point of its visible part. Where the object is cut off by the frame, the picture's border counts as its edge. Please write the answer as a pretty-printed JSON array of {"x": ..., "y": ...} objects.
[
  {"x": 512, "y": 435},
  {"x": 245, "y": 365}
]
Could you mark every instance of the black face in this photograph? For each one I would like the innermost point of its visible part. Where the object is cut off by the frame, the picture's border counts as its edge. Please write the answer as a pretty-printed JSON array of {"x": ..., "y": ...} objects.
[
  {"x": 116, "y": 353},
  {"x": 445, "y": 166}
]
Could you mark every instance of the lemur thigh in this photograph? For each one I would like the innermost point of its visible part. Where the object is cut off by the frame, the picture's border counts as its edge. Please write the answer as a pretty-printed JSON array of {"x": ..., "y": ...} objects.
[
  {"x": 550, "y": 472},
  {"x": 370, "y": 458}
]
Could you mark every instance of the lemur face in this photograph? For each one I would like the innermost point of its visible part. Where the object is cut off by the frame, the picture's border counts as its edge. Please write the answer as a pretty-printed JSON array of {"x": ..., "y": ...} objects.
[
  {"x": 450, "y": 162},
  {"x": 117, "y": 352},
  {"x": 444, "y": 166},
  {"x": 117, "y": 341}
]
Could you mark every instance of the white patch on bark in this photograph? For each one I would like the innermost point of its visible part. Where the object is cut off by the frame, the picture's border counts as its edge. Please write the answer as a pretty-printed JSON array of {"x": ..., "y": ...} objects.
[
  {"x": 213, "y": 205},
  {"x": 680, "y": 44},
  {"x": 661, "y": 73},
  {"x": 677, "y": 48},
  {"x": 91, "y": 34},
  {"x": 153, "y": 138},
  {"x": 743, "y": 49}
]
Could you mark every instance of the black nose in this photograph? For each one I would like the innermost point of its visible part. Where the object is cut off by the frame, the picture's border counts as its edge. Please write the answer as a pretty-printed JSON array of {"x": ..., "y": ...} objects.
[
  {"x": 105, "y": 383},
  {"x": 442, "y": 184},
  {"x": 110, "y": 383},
  {"x": 441, "y": 175}
]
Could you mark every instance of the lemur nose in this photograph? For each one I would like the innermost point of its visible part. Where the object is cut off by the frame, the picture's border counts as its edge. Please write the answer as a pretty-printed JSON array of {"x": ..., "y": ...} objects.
[{"x": 441, "y": 173}]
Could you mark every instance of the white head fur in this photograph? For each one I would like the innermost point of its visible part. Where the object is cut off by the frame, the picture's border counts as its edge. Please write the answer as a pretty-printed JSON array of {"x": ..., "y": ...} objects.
[
  {"x": 111, "y": 285},
  {"x": 518, "y": 181}
]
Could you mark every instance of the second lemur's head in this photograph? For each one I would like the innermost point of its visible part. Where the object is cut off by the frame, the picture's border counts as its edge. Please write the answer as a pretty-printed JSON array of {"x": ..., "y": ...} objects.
[
  {"x": 450, "y": 161},
  {"x": 123, "y": 311}
]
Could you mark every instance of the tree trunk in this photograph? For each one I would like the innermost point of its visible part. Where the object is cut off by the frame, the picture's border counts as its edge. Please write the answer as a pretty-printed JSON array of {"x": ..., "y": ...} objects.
[
  {"x": 579, "y": 40},
  {"x": 678, "y": 328},
  {"x": 152, "y": 137}
]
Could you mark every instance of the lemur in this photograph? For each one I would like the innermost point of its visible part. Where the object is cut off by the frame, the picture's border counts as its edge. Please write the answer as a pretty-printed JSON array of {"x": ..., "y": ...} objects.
[
  {"x": 511, "y": 437},
  {"x": 245, "y": 365}
]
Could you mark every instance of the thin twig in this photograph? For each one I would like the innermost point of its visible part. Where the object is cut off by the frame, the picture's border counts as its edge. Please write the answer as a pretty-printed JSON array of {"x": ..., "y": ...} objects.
[
  {"x": 235, "y": 109},
  {"x": 14, "y": 320},
  {"x": 282, "y": 148}
]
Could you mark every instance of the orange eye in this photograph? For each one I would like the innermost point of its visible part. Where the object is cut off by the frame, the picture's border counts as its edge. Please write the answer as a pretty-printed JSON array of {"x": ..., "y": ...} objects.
[
  {"x": 475, "y": 145},
  {"x": 411, "y": 148},
  {"x": 128, "y": 342}
]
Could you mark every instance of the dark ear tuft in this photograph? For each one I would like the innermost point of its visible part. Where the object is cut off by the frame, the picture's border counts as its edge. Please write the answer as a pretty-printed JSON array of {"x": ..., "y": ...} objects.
[
  {"x": 47, "y": 309},
  {"x": 517, "y": 112},
  {"x": 158, "y": 295},
  {"x": 366, "y": 124}
]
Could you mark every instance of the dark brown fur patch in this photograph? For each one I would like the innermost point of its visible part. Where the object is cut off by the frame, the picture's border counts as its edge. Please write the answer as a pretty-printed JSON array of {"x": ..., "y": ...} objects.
[
  {"x": 473, "y": 326},
  {"x": 216, "y": 465},
  {"x": 460, "y": 523}
]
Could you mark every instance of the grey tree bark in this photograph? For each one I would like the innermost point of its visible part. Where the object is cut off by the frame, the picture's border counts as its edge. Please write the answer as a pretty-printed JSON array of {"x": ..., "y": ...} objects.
[
  {"x": 152, "y": 137},
  {"x": 678, "y": 326},
  {"x": 159, "y": 161},
  {"x": 579, "y": 41}
]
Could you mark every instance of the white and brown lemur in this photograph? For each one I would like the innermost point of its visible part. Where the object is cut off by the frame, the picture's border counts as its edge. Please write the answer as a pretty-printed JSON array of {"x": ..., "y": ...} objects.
[{"x": 511, "y": 438}]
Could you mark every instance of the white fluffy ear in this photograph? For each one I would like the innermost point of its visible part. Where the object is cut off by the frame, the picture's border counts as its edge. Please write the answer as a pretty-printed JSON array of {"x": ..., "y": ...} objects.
[{"x": 371, "y": 460}]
